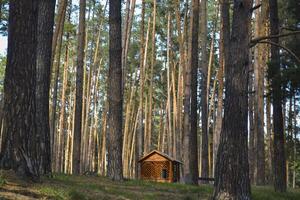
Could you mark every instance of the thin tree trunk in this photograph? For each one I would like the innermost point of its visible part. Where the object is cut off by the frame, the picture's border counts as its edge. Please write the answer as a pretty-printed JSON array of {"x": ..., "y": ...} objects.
[
  {"x": 153, "y": 60},
  {"x": 140, "y": 135},
  {"x": 79, "y": 90},
  {"x": 190, "y": 154},
  {"x": 210, "y": 105},
  {"x": 252, "y": 136},
  {"x": 126, "y": 137},
  {"x": 275, "y": 77},
  {"x": 259, "y": 65},
  {"x": 145, "y": 135},
  {"x": 55, "y": 63},
  {"x": 62, "y": 7},
  {"x": 182, "y": 65},
  {"x": 127, "y": 37},
  {"x": 204, "y": 90},
  {"x": 269, "y": 136},
  {"x": 224, "y": 42},
  {"x": 295, "y": 145},
  {"x": 175, "y": 121},
  {"x": 61, "y": 130},
  {"x": 169, "y": 110},
  {"x": 95, "y": 147}
]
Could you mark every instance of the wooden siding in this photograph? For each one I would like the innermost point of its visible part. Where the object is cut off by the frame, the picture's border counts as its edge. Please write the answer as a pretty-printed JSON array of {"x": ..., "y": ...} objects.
[{"x": 153, "y": 165}]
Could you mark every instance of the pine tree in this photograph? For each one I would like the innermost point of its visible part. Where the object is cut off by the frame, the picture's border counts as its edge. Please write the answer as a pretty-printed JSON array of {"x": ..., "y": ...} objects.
[{"x": 115, "y": 93}]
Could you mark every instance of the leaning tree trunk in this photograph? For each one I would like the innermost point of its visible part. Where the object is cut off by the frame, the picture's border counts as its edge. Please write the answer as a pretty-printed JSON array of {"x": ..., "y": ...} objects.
[
  {"x": 279, "y": 158},
  {"x": 20, "y": 111},
  {"x": 232, "y": 170},
  {"x": 56, "y": 48},
  {"x": 140, "y": 133},
  {"x": 79, "y": 90},
  {"x": 190, "y": 153},
  {"x": 43, "y": 68},
  {"x": 115, "y": 93}
]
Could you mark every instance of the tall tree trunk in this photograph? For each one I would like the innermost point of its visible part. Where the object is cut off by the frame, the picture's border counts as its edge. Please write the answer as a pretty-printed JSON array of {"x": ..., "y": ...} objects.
[
  {"x": 79, "y": 90},
  {"x": 20, "y": 89},
  {"x": 182, "y": 65},
  {"x": 44, "y": 43},
  {"x": 115, "y": 93},
  {"x": 169, "y": 110},
  {"x": 252, "y": 136},
  {"x": 275, "y": 77},
  {"x": 127, "y": 37},
  {"x": 61, "y": 130},
  {"x": 269, "y": 136},
  {"x": 204, "y": 89},
  {"x": 62, "y": 7},
  {"x": 56, "y": 46},
  {"x": 55, "y": 63},
  {"x": 259, "y": 66},
  {"x": 190, "y": 154},
  {"x": 153, "y": 60},
  {"x": 232, "y": 170},
  {"x": 295, "y": 144},
  {"x": 224, "y": 41},
  {"x": 140, "y": 134}
]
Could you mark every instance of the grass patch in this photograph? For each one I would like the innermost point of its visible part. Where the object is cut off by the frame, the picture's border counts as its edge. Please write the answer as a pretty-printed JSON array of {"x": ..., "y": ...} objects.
[
  {"x": 75, "y": 195},
  {"x": 2, "y": 179},
  {"x": 65, "y": 187},
  {"x": 268, "y": 193}
]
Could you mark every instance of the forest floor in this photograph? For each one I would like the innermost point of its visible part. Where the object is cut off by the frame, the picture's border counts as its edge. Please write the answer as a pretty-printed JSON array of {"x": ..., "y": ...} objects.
[{"x": 67, "y": 187}]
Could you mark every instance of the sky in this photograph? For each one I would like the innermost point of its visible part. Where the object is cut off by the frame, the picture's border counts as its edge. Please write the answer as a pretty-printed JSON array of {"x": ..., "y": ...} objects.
[{"x": 3, "y": 45}]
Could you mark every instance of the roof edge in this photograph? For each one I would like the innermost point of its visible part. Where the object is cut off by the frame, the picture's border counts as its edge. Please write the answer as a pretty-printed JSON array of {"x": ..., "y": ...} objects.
[{"x": 160, "y": 153}]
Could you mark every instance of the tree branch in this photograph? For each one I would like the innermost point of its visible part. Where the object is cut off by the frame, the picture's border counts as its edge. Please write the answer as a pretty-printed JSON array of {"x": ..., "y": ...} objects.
[
  {"x": 254, "y": 41},
  {"x": 283, "y": 47},
  {"x": 255, "y": 7}
]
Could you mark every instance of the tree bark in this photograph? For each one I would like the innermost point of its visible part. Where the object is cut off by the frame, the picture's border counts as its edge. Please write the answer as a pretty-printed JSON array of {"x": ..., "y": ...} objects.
[
  {"x": 275, "y": 78},
  {"x": 62, "y": 7},
  {"x": 232, "y": 170},
  {"x": 190, "y": 153},
  {"x": 61, "y": 130},
  {"x": 56, "y": 48},
  {"x": 295, "y": 144},
  {"x": 140, "y": 134},
  {"x": 259, "y": 66},
  {"x": 204, "y": 90},
  {"x": 44, "y": 44},
  {"x": 115, "y": 93},
  {"x": 269, "y": 136},
  {"x": 20, "y": 90},
  {"x": 79, "y": 89},
  {"x": 252, "y": 136},
  {"x": 153, "y": 60}
]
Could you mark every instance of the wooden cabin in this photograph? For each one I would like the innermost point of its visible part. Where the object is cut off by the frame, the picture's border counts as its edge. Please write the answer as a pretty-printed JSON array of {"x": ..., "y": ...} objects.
[{"x": 157, "y": 166}]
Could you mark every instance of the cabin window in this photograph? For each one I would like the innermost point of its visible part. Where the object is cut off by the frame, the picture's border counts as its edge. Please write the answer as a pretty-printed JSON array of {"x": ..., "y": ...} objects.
[{"x": 164, "y": 174}]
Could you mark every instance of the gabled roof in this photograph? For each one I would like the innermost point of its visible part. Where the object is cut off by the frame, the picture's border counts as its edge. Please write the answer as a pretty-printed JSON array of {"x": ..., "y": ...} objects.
[{"x": 160, "y": 153}]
